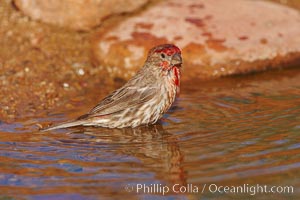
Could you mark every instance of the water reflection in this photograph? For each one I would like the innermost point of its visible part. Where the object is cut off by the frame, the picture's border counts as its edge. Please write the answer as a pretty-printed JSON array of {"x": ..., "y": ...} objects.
[
  {"x": 152, "y": 146},
  {"x": 99, "y": 161},
  {"x": 231, "y": 131}
]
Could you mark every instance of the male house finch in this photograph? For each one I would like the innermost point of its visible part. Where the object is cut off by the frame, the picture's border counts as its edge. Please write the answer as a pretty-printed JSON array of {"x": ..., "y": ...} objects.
[{"x": 143, "y": 99}]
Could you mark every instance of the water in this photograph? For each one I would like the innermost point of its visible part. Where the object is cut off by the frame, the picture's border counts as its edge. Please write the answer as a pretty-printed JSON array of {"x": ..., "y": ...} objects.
[{"x": 238, "y": 131}]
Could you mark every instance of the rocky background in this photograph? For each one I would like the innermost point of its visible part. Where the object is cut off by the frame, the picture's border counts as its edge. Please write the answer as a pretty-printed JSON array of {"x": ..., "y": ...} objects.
[{"x": 53, "y": 51}]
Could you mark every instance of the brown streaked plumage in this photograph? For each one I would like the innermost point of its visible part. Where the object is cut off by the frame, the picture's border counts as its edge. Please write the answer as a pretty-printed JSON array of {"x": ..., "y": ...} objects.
[{"x": 143, "y": 99}]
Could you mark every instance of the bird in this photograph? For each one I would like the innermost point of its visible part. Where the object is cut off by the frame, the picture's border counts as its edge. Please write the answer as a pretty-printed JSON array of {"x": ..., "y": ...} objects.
[{"x": 143, "y": 99}]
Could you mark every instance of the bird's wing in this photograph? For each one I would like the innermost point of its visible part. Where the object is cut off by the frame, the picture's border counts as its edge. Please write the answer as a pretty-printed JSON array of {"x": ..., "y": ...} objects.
[{"x": 122, "y": 99}]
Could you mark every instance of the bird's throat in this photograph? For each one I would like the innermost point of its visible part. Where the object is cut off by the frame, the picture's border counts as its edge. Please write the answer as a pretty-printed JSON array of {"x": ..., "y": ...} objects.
[{"x": 176, "y": 72}]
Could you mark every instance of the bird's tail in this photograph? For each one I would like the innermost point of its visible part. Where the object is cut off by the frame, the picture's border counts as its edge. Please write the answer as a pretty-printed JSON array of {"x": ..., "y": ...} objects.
[{"x": 64, "y": 125}]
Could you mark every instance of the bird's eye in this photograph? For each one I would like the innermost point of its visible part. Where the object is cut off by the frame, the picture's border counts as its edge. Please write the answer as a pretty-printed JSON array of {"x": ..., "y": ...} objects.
[{"x": 162, "y": 55}]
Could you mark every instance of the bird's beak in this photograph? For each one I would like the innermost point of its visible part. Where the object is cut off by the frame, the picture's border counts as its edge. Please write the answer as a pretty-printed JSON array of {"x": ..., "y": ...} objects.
[{"x": 176, "y": 60}]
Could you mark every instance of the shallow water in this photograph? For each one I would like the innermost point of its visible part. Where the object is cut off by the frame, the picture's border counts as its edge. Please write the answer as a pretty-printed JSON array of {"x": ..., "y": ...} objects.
[{"x": 238, "y": 131}]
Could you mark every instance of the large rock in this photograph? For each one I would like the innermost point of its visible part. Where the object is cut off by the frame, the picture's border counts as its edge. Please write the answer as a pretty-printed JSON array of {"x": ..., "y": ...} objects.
[
  {"x": 76, "y": 14},
  {"x": 217, "y": 37}
]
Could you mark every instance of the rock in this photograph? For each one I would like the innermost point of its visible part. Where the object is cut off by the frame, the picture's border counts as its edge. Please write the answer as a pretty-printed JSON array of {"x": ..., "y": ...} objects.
[
  {"x": 76, "y": 14},
  {"x": 290, "y": 3},
  {"x": 218, "y": 38}
]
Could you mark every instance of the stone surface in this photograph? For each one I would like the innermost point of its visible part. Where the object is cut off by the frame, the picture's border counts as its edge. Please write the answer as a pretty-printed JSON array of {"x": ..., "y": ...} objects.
[
  {"x": 76, "y": 14},
  {"x": 290, "y": 3},
  {"x": 218, "y": 38}
]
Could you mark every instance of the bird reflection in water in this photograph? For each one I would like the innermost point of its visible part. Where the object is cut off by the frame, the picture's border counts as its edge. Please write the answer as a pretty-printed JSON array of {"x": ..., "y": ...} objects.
[{"x": 156, "y": 149}]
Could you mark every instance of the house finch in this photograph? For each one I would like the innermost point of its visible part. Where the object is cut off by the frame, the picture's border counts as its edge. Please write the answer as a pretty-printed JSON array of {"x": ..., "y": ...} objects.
[{"x": 143, "y": 99}]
